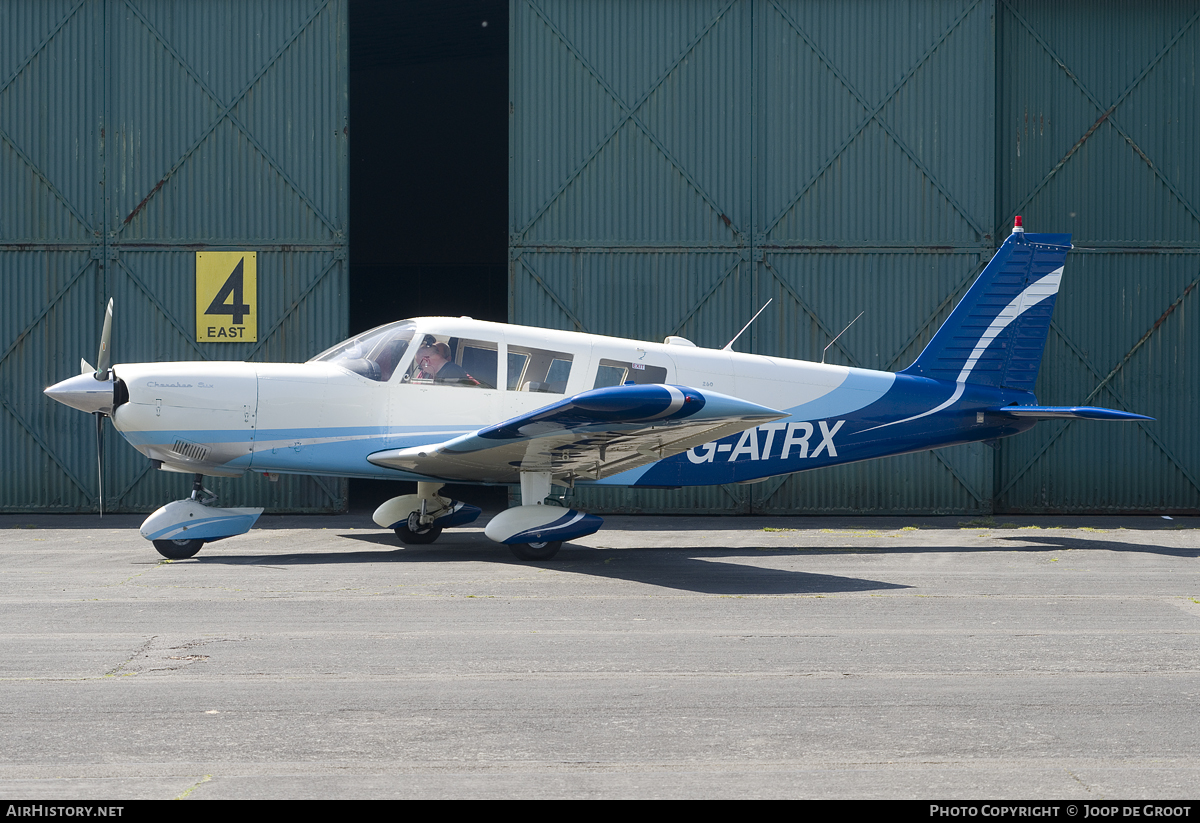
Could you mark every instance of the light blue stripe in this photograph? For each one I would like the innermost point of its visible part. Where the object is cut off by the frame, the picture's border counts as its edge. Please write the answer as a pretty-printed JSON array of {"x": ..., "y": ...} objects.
[{"x": 860, "y": 389}]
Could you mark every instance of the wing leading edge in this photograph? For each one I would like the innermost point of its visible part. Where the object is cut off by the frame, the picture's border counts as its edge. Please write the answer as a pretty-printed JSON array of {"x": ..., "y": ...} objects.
[{"x": 590, "y": 436}]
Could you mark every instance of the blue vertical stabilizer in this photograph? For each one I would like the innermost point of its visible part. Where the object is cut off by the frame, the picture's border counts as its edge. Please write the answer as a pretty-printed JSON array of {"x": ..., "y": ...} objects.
[{"x": 996, "y": 335}]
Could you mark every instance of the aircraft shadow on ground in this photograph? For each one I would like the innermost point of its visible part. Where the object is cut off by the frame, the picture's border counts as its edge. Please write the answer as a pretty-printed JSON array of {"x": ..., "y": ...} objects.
[
  {"x": 1045, "y": 542},
  {"x": 883, "y": 537},
  {"x": 694, "y": 570}
]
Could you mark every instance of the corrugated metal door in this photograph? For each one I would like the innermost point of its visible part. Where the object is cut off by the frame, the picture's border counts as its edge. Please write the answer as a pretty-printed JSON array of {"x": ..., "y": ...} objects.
[
  {"x": 874, "y": 129},
  {"x": 1097, "y": 128},
  {"x": 631, "y": 204},
  {"x": 701, "y": 158},
  {"x": 160, "y": 130},
  {"x": 51, "y": 230},
  {"x": 868, "y": 157}
]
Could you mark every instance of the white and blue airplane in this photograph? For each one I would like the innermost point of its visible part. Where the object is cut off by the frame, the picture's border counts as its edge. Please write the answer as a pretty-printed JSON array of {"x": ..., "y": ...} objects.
[{"x": 438, "y": 400}]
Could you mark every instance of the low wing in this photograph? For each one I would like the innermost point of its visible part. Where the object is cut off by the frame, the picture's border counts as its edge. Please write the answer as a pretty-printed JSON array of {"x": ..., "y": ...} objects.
[
  {"x": 1068, "y": 413},
  {"x": 590, "y": 436}
]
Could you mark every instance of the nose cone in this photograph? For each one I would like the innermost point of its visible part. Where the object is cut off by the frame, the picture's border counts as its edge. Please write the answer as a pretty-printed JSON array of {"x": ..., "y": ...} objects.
[{"x": 84, "y": 392}]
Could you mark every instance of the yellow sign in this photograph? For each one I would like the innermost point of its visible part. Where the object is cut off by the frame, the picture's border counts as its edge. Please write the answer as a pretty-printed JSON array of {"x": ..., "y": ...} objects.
[{"x": 226, "y": 296}]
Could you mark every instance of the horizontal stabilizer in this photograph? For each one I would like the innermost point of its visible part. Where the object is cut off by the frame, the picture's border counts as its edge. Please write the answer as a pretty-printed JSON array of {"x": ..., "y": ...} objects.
[
  {"x": 589, "y": 436},
  {"x": 1068, "y": 413}
]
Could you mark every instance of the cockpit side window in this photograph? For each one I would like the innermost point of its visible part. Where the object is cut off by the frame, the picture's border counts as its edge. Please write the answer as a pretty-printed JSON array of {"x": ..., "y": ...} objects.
[
  {"x": 373, "y": 354},
  {"x": 450, "y": 361}
]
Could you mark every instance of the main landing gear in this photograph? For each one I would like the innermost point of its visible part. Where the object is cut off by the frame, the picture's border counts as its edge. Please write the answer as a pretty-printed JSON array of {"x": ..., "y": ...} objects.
[
  {"x": 418, "y": 519},
  {"x": 178, "y": 530},
  {"x": 532, "y": 531},
  {"x": 535, "y": 531}
]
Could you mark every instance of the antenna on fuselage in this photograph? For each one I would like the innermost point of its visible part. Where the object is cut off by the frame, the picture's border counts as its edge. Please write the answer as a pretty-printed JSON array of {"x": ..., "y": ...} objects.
[
  {"x": 839, "y": 334},
  {"x": 729, "y": 345}
]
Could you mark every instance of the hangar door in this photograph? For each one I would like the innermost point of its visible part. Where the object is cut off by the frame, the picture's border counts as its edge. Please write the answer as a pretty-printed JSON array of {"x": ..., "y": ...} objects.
[
  {"x": 133, "y": 134},
  {"x": 1096, "y": 132},
  {"x": 674, "y": 165}
]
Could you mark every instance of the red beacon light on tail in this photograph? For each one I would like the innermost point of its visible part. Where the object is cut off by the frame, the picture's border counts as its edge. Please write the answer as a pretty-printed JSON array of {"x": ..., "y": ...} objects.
[{"x": 1017, "y": 227}]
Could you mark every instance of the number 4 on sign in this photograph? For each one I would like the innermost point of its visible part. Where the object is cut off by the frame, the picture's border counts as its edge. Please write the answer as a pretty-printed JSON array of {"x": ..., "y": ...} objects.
[
  {"x": 232, "y": 286},
  {"x": 226, "y": 297}
]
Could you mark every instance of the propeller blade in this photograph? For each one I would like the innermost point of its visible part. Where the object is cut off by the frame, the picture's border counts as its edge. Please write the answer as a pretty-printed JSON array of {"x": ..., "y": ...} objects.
[
  {"x": 100, "y": 457},
  {"x": 85, "y": 367},
  {"x": 104, "y": 359}
]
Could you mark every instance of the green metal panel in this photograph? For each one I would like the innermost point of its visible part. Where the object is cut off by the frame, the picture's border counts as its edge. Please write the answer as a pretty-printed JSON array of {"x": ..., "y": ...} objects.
[
  {"x": 631, "y": 206},
  {"x": 867, "y": 157},
  {"x": 904, "y": 297},
  {"x": 51, "y": 227},
  {"x": 1096, "y": 129},
  {"x": 140, "y": 133},
  {"x": 784, "y": 120}
]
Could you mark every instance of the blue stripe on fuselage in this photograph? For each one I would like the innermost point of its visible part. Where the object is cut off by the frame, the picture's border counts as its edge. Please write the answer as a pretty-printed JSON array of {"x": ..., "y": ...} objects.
[{"x": 811, "y": 441}]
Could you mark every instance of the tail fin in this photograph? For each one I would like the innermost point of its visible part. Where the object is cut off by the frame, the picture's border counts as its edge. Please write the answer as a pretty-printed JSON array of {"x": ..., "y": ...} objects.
[{"x": 995, "y": 336}]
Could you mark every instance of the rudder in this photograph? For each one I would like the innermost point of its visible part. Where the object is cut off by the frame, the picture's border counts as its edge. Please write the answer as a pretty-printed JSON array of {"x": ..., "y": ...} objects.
[{"x": 997, "y": 333}]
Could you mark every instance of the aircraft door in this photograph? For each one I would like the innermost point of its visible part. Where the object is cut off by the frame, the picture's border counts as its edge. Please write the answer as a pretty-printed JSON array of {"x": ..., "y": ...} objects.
[{"x": 451, "y": 384}]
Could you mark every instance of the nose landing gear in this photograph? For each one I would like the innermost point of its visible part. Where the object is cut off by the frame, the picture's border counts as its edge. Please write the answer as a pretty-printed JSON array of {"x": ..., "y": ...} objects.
[{"x": 178, "y": 530}]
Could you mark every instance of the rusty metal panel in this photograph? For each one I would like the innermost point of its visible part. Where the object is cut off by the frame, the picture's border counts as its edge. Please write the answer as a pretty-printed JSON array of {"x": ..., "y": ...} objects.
[
  {"x": 225, "y": 122},
  {"x": 50, "y": 230},
  {"x": 1096, "y": 122},
  {"x": 133, "y": 134},
  {"x": 642, "y": 294},
  {"x": 955, "y": 480},
  {"x": 50, "y": 122}
]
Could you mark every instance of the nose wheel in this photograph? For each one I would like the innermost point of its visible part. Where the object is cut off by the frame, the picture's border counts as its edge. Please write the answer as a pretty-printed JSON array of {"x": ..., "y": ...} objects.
[
  {"x": 536, "y": 551},
  {"x": 178, "y": 530},
  {"x": 178, "y": 549}
]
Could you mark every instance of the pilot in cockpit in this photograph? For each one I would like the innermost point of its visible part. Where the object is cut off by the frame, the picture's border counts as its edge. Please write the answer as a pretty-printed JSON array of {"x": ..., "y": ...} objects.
[{"x": 435, "y": 363}]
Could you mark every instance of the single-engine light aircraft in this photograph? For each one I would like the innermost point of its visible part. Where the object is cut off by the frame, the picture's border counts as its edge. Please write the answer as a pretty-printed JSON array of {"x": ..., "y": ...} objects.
[{"x": 438, "y": 400}]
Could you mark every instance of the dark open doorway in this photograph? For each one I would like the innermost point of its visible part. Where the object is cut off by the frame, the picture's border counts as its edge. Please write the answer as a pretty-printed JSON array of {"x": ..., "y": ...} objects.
[{"x": 428, "y": 172}]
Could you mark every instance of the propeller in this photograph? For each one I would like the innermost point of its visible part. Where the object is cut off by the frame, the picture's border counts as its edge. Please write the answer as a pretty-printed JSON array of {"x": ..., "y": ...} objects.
[
  {"x": 104, "y": 358},
  {"x": 93, "y": 391},
  {"x": 100, "y": 457},
  {"x": 103, "y": 370}
]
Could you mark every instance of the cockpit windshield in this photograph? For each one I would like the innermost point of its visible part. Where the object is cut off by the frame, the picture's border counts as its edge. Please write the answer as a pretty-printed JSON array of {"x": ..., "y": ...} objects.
[{"x": 373, "y": 354}]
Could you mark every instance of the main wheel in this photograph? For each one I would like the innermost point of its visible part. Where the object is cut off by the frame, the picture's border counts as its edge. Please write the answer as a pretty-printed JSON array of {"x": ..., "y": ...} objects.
[
  {"x": 536, "y": 551},
  {"x": 413, "y": 533},
  {"x": 178, "y": 549}
]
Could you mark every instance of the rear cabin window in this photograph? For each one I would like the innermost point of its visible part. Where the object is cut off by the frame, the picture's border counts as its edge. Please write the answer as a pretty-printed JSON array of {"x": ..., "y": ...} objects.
[
  {"x": 618, "y": 373},
  {"x": 538, "y": 370}
]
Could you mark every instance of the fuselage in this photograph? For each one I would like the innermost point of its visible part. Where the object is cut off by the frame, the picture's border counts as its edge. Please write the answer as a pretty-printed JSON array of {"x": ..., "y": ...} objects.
[{"x": 379, "y": 391}]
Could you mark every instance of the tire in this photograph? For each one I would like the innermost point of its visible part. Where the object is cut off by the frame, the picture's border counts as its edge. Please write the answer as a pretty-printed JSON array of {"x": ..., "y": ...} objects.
[
  {"x": 418, "y": 538},
  {"x": 536, "y": 551},
  {"x": 178, "y": 549}
]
